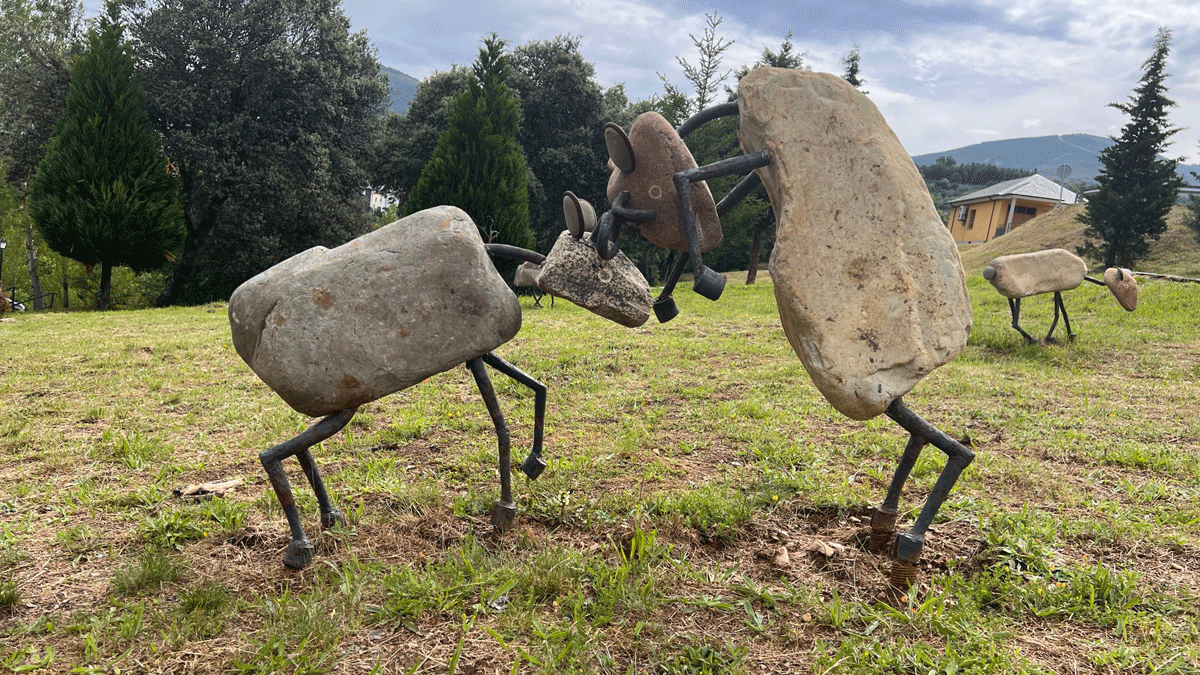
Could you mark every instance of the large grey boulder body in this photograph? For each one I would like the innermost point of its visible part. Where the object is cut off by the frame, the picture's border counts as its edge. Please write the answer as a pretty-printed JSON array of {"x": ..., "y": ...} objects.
[
  {"x": 870, "y": 288},
  {"x": 332, "y": 329}
]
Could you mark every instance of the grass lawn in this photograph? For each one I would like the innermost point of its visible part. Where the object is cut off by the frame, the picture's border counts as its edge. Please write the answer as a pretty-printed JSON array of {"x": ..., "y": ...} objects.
[{"x": 683, "y": 457}]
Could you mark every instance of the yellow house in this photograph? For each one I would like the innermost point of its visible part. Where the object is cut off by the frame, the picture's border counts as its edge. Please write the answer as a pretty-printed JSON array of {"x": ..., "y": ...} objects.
[{"x": 988, "y": 213}]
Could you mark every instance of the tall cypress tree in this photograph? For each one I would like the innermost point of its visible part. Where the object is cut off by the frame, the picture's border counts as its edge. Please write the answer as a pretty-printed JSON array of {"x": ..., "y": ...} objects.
[
  {"x": 478, "y": 165},
  {"x": 1137, "y": 186},
  {"x": 102, "y": 194}
]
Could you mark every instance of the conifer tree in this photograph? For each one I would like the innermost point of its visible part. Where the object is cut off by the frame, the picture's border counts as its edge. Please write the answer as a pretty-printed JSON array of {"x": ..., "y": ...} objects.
[
  {"x": 1137, "y": 186},
  {"x": 102, "y": 194},
  {"x": 852, "y": 62},
  {"x": 478, "y": 165}
]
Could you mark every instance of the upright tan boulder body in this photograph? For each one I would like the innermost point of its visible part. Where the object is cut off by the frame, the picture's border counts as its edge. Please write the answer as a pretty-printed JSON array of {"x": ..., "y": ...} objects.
[
  {"x": 870, "y": 288},
  {"x": 332, "y": 329}
]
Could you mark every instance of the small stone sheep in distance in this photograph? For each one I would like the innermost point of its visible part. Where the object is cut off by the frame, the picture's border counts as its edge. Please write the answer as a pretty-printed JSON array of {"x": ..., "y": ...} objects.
[
  {"x": 1054, "y": 270},
  {"x": 331, "y": 329}
]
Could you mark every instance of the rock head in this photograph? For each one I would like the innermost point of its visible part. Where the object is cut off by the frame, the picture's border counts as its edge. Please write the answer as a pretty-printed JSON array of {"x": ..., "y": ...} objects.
[
  {"x": 614, "y": 289},
  {"x": 658, "y": 154},
  {"x": 1123, "y": 286}
]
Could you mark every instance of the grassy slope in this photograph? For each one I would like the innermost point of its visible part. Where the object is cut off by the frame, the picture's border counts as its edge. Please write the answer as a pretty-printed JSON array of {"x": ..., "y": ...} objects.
[
  {"x": 682, "y": 458},
  {"x": 1176, "y": 252}
]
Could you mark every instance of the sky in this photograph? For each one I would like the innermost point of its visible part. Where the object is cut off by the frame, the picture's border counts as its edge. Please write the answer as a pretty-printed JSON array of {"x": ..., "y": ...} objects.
[{"x": 945, "y": 74}]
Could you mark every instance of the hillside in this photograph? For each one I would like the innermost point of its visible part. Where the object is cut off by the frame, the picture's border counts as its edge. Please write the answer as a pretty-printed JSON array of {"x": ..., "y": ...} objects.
[
  {"x": 403, "y": 88},
  {"x": 1043, "y": 153},
  {"x": 1176, "y": 252}
]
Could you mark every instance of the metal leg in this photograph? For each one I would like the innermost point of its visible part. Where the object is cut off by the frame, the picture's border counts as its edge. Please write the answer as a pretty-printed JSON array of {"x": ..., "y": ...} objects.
[
  {"x": 504, "y": 510},
  {"x": 1060, "y": 306},
  {"x": 299, "y": 551},
  {"x": 706, "y": 282},
  {"x": 534, "y": 465},
  {"x": 958, "y": 457},
  {"x": 664, "y": 304},
  {"x": 1014, "y": 306},
  {"x": 707, "y": 115},
  {"x": 329, "y": 515},
  {"x": 883, "y": 519}
]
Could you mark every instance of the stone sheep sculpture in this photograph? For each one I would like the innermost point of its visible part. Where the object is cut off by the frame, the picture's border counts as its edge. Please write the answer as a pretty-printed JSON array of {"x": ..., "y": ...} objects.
[
  {"x": 1054, "y": 270},
  {"x": 331, "y": 329},
  {"x": 869, "y": 285}
]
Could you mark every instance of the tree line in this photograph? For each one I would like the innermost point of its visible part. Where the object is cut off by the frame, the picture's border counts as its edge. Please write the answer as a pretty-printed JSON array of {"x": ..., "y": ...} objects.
[{"x": 270, "y": 121}]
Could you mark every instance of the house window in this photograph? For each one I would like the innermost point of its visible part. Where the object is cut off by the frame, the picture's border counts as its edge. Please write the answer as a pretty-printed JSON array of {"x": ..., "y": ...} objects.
[
  {"x": 962, "y": 213},
  {"x": 1026, "y": 210},
  {"x": 971, "y": 220}
]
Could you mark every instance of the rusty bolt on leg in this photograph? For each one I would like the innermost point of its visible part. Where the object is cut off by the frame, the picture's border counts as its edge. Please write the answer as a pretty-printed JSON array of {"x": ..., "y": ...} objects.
[
  {"x": 902, "y": 575},
  {"x": 504, "y": 515},
  {"x": 883, "y": 531}
]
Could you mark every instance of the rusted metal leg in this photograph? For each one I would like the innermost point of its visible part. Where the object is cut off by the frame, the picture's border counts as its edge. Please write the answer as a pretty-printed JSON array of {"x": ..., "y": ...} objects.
[
  {"x": 1060, "y": 307},
  {"x": 707, "y": 282},
  {"x": 958, "y": 457},
  {"x": 1014, "y": 306},
  {"x": 534, "y": 465},
  {"x": 504, "y": 510},
  {"x": 299, "y": 551},
  {"x": 664, "y": 304},
  {"x": 329, "y": 515},
  {"x": 883, "y": 519}
]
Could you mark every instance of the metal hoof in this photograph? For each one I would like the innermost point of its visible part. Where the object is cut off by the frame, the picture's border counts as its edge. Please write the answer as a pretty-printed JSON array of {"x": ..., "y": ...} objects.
[
  {"x": 298, "y": 555},
  {"x": 665, "y": 309},
  {"x": 533, "y": 466},
  {"x": 504, "y": 515},
  {"x": 334, "y": 517},
  {"x": 708, "y": 283}
]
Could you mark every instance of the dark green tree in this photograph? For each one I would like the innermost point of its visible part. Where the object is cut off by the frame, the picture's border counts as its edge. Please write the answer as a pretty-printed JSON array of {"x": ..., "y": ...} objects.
[
  {"x": 102, "y": 194},
  {"x": 38, "y": 39},
  {"x": 852, "y": 61},
  {"x": 1137, "y": 185},
  {"x": 478, "y": 165},
  {"x": 561, "y": 130},
  {"x": 270, "y": 110}
]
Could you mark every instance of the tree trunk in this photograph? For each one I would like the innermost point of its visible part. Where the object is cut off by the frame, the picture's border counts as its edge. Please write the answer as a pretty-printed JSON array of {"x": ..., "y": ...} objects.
[
  {"x": 35, "y": 282},
  {"x": 755, "y": 247},
  {"x": 105, "y": 286},
  {"x": 66, "y": 287}
]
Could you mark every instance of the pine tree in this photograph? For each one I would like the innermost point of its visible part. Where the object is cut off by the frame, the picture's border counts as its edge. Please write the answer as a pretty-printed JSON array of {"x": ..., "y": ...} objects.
[
  {"x": 852, "y": 62},
  {"x": 102, "y": 194},
  {"x": 478, "y": 165},
  {"x": 1137, "y": 186}
]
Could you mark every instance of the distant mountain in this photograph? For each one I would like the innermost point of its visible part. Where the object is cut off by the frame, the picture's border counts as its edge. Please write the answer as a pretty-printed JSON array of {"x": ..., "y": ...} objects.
[
  {"x": 1043, "y": 153},
  {"x": 403, "y": 89}
]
